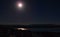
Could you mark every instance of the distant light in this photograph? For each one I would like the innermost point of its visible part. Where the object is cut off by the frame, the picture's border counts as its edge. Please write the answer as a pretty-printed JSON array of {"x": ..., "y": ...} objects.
[{"x": 21, "y": 28}]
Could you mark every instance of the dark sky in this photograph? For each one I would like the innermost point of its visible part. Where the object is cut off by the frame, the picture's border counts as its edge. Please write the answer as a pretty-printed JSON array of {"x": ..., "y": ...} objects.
[{"x": 36, "y": 11}]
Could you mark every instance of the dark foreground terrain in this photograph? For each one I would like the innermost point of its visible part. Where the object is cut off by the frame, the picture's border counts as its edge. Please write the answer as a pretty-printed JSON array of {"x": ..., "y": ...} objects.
[
  {"x": 35, "y": 30},
  {"x": 13, "y": 31}
]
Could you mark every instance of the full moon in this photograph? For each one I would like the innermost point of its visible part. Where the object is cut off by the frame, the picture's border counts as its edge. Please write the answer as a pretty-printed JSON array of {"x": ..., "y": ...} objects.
[{"x": 20, "y": 5}]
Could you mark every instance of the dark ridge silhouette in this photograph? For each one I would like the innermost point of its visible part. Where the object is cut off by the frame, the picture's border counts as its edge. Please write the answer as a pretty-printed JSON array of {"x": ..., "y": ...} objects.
[
  {"x": 44, "y": 26},
  {"x": 31, "y": 26}
]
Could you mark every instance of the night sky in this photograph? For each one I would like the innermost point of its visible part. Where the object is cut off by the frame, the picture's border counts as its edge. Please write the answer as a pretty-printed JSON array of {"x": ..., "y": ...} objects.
[{"x": 36, "y": 12}]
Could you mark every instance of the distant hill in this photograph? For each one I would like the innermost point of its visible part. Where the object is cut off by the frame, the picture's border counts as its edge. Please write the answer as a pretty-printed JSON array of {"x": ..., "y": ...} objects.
[
  {"x": 44, "y": 25},
  {"x": 34, "y": 27},
  {"x": 31, "y": 26}
]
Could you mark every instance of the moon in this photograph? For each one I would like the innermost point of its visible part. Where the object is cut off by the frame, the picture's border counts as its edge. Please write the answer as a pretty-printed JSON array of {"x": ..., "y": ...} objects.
[{"x": 20, "y": 5}]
